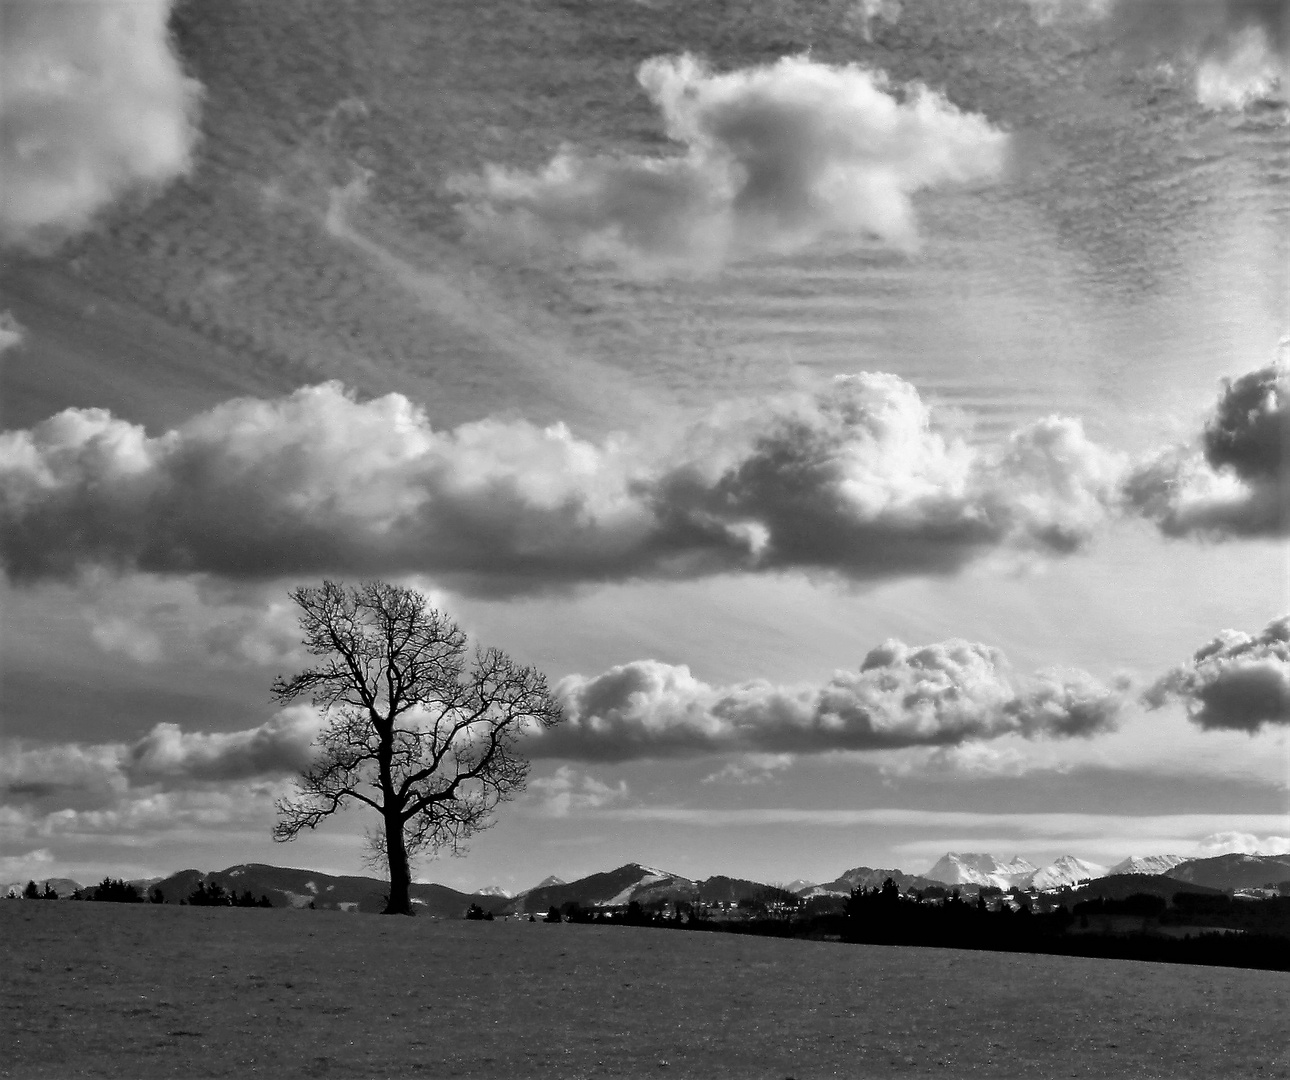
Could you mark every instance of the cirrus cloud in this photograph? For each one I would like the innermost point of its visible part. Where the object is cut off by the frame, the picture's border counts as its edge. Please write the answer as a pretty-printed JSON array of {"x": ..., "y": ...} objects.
[
  {"x": 774, "y": 157},
  {"x": 944, "y": 694},
  {"x": 1237, "y": 681},
  {"x": 93, "y": 102}
]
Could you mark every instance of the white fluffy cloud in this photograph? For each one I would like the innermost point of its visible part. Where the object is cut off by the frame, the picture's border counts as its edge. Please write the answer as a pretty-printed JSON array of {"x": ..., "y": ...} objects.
[
  {"x": 773, "y": 157},
  {"x": 853, "y": 477},
  {"x": 93, "y": 102},
  {"x": 1244, "y": 843},
  {"x": 1239, "y": 50},
  {"x": 1237, "y": 482},
  {"x": 944, "y": 694},
  {"x": 1237, "y": 681}
]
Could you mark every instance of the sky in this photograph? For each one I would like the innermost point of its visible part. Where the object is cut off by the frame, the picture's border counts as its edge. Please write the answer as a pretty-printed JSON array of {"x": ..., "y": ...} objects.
[{"x": 869, "y": 416}]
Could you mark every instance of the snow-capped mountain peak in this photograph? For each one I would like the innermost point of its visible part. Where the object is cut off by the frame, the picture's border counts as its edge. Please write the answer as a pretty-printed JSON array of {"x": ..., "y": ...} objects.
[
  {"x": 1067, "y": 870},
  {"x": 979, "y": 868},
  {"x": 493, "y": 890},
  {"x": 1148, "y": 864}
]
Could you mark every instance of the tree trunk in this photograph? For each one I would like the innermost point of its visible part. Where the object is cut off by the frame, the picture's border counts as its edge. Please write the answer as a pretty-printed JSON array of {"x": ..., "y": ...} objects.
[{"x": 400, "y": 902}]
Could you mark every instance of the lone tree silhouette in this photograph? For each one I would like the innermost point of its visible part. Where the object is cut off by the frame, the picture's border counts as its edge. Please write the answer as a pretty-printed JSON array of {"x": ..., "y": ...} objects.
[{"x": 420, "y": 731}]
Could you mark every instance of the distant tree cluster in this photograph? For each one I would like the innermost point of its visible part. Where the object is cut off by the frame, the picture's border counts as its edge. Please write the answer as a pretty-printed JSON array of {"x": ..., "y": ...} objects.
[
  {"x": 213, "y": 894},
  {"x": 34, "y": 892},
  {"x": 114, "y": 890},
  {"x": 477, "y": 913}
]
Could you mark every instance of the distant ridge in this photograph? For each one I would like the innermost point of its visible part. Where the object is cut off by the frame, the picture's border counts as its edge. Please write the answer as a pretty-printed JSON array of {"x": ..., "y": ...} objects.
[
  {"x": 289, "y": 887},
  {"x": 1236, "y": 871},
  {"x": 61, "y": 885},
  {"x": 865, "y": 877}
]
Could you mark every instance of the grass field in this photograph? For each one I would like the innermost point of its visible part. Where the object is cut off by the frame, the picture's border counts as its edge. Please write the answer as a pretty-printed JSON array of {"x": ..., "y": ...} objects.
[{"x": 141, "y": 991}]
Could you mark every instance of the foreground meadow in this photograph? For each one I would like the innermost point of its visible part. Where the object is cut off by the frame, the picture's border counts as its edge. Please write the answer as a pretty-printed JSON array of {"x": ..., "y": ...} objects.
[{"x": 141, "y": 991}]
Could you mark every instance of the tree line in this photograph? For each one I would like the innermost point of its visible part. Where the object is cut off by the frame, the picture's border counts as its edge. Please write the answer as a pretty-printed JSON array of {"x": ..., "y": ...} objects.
[
  {"x": 1189, "y": 928},
  {"x": 117, "y": 891}
]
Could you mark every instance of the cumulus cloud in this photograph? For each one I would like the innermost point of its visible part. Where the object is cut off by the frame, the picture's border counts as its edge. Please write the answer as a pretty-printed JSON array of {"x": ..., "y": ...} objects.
[
  {"x": 1243, "y": 843},
  {"x": 944, "y": 694},
  {"x": 1236, "y": 483},
  {"x": 773, "y": 157},
  {"x": 166, "y": 758},
  {"x": 853, "y": 477},
  {"x": 1239, "y": 50},
  {"x": 11, "y": 332},
  {"x": 93, "y": 102},
  {"x": 857, "y": 478},
  {"x": 36, "y": 771},
  {"x": 279, "y": 747},
  {"x": 1237, "y": 681}
]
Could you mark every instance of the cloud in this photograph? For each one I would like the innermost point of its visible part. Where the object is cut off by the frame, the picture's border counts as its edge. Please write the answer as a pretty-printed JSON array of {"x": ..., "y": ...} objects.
[
  {"x": 166, "y": 758},
  {"x": 1236, "y": 483},
  {"x": 856, "y": 478},
  {"x": 750, "y": 769},
  {"x": 853, "y": 477},
  {"x": 37, "y": 771},
  {"x": 279, "y": 747},
  {"x": 12, "y": 332},
  {"x": 970, "y": 759},
  {"x": 863, "y": 13},
  {"x": 31, "y": 865},
  {"x": 774, "y": 157},
  {"x": 1236, "y": 682},
  {"x": 934, "y": 695},
  {"x": 1244, "y": 843},
  {"x": 1239, "y": 49},
  {"x": 568, "y": 790},
  {"x": 191, "y": 619},
  {"x": 93, "y": 102}
]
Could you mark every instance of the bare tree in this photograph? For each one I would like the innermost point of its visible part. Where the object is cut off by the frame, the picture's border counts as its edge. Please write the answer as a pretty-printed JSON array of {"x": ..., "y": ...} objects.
[{"x": 420, "y": 731}]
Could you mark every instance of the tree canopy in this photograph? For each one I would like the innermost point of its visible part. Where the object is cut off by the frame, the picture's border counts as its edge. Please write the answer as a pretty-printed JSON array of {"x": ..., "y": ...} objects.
[{"x": 419, "y": 728}]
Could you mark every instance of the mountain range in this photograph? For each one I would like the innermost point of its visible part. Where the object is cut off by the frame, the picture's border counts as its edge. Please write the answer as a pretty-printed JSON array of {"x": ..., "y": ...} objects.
[{"x": 286, "y": 887}]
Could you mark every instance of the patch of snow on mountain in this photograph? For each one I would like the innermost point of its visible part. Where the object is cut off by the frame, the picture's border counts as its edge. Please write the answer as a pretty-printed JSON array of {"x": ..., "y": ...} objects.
[{"x": 493, "y": 890}]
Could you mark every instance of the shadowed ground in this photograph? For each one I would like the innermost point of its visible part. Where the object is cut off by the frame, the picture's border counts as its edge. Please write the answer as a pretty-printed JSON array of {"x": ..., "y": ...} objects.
[{"x": 143, "y": 991}]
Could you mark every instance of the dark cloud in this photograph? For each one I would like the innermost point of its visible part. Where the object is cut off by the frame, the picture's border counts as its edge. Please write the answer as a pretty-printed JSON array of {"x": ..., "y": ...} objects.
[
  {"x": 1237, "y": 482},
  {"x": 774, "y": 156},
  {"x": 853, "y": 478},
  {"x": 93, "y": 102},
  {"x": 944, "y": 694},
  {"x": 1236, "y": 681}
]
